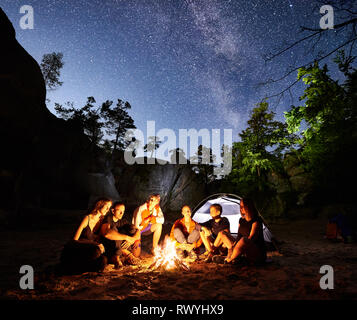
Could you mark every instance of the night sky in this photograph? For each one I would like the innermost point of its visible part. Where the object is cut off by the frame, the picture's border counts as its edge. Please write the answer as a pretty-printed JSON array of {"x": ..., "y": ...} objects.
[{"x": 183, "y": 63}]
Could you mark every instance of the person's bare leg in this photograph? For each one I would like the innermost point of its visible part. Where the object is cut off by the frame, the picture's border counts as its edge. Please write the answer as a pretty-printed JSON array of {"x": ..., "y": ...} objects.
[
  {"x": 117, "y": 262},
  {"x": 206, "y": 241},
  {"x": 252, "y": 252},
  {"x": 136, "y": 249},
  {"x": 179, "y": 236},
  {"x": 238, "y": 249},
  {"x": 219, "y": 240},
  {"x": 156, "y": 229},
  {"x": 228, "y": 241}
]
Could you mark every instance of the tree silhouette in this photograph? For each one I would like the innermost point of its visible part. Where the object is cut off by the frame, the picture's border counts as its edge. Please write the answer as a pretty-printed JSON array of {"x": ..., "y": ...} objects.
[
  {"x": 87, "y": 117},
  {"x": 346, "y": 29},
  {"x": 117, "y": 122},
  {"x": 51, "y": 66},
  {"x": 203, "y": 163},
  {"x": 153, "y": 143},
  {"x": 178, "y": 156}
]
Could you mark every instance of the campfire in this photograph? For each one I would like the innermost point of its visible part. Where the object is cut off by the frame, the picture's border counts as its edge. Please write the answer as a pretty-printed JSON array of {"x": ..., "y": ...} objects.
[{"x": 166, "y": 258}]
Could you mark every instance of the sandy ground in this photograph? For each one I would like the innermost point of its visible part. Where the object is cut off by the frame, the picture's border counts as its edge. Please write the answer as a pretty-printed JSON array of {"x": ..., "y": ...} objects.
[{"x": 292, "y": 275}]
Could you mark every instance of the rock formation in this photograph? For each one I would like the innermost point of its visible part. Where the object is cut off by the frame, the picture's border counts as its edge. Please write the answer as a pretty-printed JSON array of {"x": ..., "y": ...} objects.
[{"x": 46, "y": 162}]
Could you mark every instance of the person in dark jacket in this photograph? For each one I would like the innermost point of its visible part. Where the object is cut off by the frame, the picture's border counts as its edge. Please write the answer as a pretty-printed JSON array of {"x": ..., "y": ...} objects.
[{"x": 250, "y": 239}]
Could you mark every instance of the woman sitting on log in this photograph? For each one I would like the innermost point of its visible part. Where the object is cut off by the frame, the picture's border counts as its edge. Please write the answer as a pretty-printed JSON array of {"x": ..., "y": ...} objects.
[
  {"x": 250, "y": 240},
  {"x": 84, "y": 253}
]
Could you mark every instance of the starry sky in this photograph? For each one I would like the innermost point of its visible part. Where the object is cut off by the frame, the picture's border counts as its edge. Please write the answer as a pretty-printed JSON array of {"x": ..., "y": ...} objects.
[{"x": 183, "y": 63}]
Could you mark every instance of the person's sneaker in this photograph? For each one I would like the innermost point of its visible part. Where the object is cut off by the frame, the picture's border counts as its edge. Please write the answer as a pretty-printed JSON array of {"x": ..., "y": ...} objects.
[{"x": 132, "y": 260}]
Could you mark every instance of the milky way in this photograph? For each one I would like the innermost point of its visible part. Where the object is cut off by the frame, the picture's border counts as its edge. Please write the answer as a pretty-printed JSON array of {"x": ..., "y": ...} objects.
[{"x": 184, "y": 64}]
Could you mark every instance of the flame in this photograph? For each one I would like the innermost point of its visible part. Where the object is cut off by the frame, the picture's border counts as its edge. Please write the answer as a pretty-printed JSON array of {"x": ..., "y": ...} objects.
[{"x": 166, "y": 255}]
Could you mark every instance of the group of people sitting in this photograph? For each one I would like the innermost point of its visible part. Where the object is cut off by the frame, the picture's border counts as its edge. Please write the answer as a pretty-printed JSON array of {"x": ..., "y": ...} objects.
[{"x": 105, "y": 237}]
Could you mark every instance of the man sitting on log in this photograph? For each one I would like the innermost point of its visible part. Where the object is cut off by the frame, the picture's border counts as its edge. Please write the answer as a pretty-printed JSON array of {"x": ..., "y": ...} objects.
[
  {"x": 148, "y": 218},
  {"x": 118, "y": 237},
  {"x": 213, "y": 231},
  {"x": 186, "y": 235}
]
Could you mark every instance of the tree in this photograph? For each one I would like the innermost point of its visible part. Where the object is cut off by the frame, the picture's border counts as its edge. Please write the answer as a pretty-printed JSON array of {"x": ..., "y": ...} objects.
[
  {"x": 153, "y": 143},
  {"x": 260, "y": 150},
  {"x": 202, "y": 163},
  {"x": 117, "y": 121},
  {"x": 346, "y": 29},
  {"x": 51, "y": 66},
  {"x": 178, "y": 156},
  {"x": 329, "y": 112},
  {"x": 87, "y": 117}
]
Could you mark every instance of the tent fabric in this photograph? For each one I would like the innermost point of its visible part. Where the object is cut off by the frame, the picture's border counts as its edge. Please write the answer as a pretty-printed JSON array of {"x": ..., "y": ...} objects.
[{"x": 230, "y": 208}]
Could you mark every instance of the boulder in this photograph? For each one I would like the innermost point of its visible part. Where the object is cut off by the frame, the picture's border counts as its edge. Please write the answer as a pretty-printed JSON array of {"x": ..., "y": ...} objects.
[{"x": 177, "y": 184}]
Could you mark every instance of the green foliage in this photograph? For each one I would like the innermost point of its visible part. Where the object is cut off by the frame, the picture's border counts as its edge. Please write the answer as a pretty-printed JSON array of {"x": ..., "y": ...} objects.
[
  {"x": 260, "y": 151},
  {"x": 329, "y": 112},
  {"x": 50, "y": 66}
]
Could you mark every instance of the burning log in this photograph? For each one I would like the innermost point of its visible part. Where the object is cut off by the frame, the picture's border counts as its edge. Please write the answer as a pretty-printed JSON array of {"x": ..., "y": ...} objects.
[
  {"x": 166, "y": 258},
  {"x": 164, "y": 265},
  {"x": 181, "y": 265}
]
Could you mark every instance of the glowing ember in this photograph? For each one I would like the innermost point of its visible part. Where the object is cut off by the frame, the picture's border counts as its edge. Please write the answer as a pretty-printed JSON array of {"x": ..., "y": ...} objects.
[{"x": 167, "y": 258}]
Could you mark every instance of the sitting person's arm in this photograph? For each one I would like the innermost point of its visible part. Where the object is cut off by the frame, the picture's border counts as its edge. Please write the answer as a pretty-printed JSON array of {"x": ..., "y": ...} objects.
[
  {"x": 137, "y": 219},
  {"x": 135, "y": 236},
  {"x": 79, "y": 232},
  {"x": 160, "y": 217},
  {"x": 226, "y": 226},
  {"x": 239, "y": 236},
  {"x": 204, "y": 226},
  {"x": 83, "y": 224},
  {"x": 254, "y": 231},
  {"x": 111, "y": 234}
]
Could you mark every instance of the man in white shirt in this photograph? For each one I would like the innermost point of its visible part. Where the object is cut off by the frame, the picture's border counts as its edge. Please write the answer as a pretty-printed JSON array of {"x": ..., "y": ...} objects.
[{"x": 148, "y": 218}]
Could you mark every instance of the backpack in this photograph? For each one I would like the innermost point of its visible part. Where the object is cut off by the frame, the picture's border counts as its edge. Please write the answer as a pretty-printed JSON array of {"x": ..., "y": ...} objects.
[{"x": 332, "y": 231}]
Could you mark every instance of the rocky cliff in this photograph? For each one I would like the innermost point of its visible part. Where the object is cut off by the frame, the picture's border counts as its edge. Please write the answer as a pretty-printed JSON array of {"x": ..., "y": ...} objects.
[
  {"x": 49, "y": 163},
  {"x": 46, "y": 162},
  {"x": 177, "y": 184}
]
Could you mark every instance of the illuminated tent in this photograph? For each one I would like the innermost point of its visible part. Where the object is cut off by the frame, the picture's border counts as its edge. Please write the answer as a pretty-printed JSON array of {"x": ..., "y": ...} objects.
[{"x": 230, "y": 208}]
